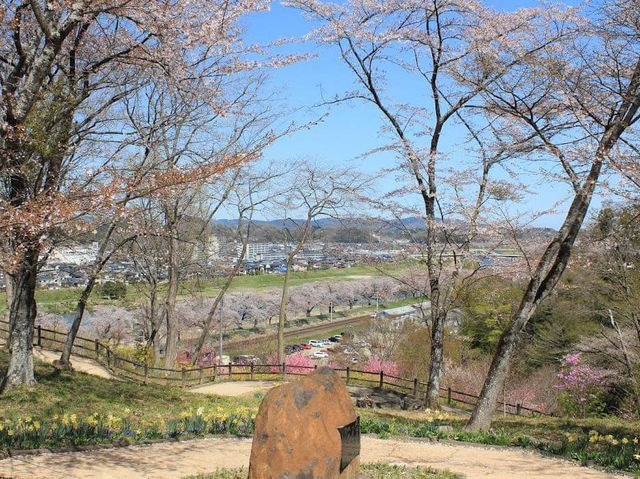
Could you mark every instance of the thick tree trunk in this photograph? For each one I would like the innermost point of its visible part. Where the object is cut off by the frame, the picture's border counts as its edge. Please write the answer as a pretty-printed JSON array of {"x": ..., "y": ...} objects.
[
  {"x": 437, "y": 361},
  {"x": 22, "y": 314},
  {"x": 548, "y": 272},
  {"x": 171, "y": 350}
]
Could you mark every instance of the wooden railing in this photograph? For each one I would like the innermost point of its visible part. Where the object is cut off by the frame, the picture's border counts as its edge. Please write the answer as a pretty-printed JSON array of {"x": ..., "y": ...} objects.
[{"x": 141, "y": 372}]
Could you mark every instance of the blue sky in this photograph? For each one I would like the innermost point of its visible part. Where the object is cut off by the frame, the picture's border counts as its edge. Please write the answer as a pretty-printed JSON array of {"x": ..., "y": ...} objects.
[{"x": 349, "y": 130}]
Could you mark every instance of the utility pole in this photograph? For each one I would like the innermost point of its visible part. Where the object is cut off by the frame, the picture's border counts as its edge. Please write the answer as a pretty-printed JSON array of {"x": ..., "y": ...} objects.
[{"x": 330, "y": 311}]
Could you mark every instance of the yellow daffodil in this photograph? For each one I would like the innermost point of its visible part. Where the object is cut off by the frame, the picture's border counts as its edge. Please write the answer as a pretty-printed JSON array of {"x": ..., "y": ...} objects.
[
  {"x": 635, "y": 440},
  {"x": 615, "y": 442},
  {"x": 9, "y": 433},
  {"x": 625, "y": 440},
  {"x": 36, "y": 425}
]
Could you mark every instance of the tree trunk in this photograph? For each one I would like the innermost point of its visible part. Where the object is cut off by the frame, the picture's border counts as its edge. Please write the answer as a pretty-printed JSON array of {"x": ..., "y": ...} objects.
[
  {"x": 22, "y": 314},
  {"x": 171, "y": 350},
  {"x": 75, "y": 325},
  {"x": 548, "y": 272},
  {"x": 282, "y": 315},
  {"x": 437, "y": 361}
]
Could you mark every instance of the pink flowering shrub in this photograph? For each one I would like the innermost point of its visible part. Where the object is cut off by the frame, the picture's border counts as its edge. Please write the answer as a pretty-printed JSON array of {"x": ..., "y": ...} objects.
[
  {"x": 296, "y": 363},
  {"x": 375, "y": 365},
  {"x": 580, "y": 386}
]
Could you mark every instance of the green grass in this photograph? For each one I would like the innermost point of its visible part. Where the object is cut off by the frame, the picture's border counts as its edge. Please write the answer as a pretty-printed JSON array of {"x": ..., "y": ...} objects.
[
  {"x": 64, "y": 300},
  {"x": 367, "y": 471},
  {"x": 70, "y": 409},
  {"x": 617, "y": 447}
]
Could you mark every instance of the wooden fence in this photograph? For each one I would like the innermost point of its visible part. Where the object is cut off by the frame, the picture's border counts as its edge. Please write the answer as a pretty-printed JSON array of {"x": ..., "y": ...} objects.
[{"x": 127, "y": 369}]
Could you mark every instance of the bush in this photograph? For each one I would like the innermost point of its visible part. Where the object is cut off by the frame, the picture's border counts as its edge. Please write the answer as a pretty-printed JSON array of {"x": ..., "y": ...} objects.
[
  {"x": 113, "y": 290},
  {"x": 581, "y": 388}
]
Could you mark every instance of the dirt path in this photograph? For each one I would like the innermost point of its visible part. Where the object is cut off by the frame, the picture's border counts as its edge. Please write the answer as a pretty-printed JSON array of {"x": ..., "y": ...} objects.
[
  {"x": 235, "y": 388},
  {"x": 79, "y": 364},
  {"x": 176, "y": 460}
]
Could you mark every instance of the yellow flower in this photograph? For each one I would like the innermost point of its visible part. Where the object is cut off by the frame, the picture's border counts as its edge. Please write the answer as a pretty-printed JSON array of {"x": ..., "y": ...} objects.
[
  {"x": 636, "y": 457},
  {"x": 55, "y": 417},
  {"x": 200, "y": 411},
  {"x": 430, "y": 419},
  {"x": 593, "y": 433},
  {"x": 127, "y": 410},
  {"x": 608, "y": 438},
  {"x": 635, "y": 440},
  {"x": 28, "y": 419},
  {"x": 36, "y": 425},
  {"x": 593, "y": 439},
  {"x": 625, "y": 440},
  {"x": 138, "y": 432},
  {"x": 615, "y": 442},
  {"x": 9, "y": 433},
  {"x": 1, "y": 427}
]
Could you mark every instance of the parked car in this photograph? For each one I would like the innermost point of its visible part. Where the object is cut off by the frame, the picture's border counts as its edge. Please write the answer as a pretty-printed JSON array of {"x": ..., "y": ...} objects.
[
  {"x": 316, "y": 343},
  {"x": 319, "y": 355},
  {"x": 305, "y": 346},
  {"x": 335, "y": 339}
]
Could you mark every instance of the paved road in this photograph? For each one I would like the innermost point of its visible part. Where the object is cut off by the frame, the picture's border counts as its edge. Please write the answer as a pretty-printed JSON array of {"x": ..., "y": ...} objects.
[{"x": 176, "y": 460}]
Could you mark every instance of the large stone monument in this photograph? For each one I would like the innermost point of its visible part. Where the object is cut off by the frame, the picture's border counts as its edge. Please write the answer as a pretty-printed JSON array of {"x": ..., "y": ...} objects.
[{"x": 306, "y": 429}]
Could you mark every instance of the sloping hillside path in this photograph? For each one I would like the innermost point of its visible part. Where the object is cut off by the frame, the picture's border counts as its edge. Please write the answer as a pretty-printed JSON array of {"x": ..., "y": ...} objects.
[{"x": 179, "y": 459}]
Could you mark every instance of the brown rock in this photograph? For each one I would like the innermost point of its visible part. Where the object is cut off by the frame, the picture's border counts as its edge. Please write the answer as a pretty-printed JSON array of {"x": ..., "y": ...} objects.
[{"x": 296, "y": 434}]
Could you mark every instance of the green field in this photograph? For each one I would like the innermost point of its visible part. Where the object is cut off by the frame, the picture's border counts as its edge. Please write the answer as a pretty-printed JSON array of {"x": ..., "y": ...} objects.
[{"x": 64, "y": 300}]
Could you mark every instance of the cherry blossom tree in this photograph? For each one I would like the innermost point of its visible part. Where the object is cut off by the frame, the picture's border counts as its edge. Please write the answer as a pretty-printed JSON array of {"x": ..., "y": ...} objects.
[
  {"x": 65, "y": 68},
  {"x": 453, "y": 51},
  {"x": 314, "y": 193},
  {"x": 580, "y": 103}
]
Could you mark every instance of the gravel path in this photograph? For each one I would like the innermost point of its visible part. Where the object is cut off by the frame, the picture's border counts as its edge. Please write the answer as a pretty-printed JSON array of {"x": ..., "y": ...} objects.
[{"x": 176, "y": 460}]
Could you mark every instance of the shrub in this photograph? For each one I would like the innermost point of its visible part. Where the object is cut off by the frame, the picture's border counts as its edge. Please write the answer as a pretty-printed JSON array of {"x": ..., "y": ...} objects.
[
  {"x": 581, "y": 387},
  {"x": 113, "y": 290}
]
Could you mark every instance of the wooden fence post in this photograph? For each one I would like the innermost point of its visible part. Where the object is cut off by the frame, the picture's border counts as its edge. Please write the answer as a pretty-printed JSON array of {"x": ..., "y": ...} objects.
[
  {"x": 348, "y": 375},
  {"x": 108, "y": 357},
  {"x": 39, "y": 336},
  {"x": 381, "y": 379},
  {"x": 97, "y": 347},
  {"x": 518, "y": 409},
  {"x": 229, "y": 366},
  {"x": 315, "y": 366},
  {"x": 213, "y": 373},
  {"x": 284, "y": 370},
  {"x": 415, "y": 387},
  {"x": 449, "y": 396},
  {"x": 200, "y": 376},
  {"x": 184, "y": 377},
  {"x": 146, "y": 373},
  {"x": 252, "y": 371}
]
